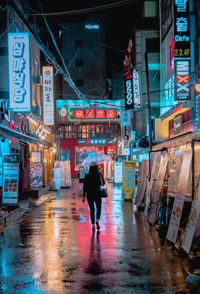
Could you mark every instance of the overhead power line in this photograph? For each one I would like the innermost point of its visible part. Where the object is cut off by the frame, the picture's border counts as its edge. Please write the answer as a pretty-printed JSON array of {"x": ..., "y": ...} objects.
[{"x": 88, "y": 10}]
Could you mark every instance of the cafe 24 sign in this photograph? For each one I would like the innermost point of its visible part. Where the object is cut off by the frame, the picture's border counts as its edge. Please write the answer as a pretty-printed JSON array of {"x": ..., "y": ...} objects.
[{"x": 132, "y": 89}]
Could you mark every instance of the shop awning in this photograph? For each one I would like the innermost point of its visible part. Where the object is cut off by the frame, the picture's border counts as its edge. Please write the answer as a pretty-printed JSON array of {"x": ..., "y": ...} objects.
[{"x": 9, "y": 133}]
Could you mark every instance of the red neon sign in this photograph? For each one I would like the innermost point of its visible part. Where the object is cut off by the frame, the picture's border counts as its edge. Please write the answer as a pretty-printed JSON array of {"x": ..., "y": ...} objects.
[
  {"x": 111, "y": 113},
  {"x": 100, "y": 113},
  {"x": 170, "y": 55},
  {"x": 79, "y": 113},
  {"x": 89, "y": 113}
]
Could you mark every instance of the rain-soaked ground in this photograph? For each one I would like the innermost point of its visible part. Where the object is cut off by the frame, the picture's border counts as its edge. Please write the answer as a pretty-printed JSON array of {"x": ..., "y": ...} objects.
[{"x": 53, "y": 250}]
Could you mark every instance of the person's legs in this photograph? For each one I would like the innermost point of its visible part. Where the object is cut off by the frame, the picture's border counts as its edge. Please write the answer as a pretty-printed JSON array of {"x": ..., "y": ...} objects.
[
  {"x": 91, "y": 206},
  {"x": 98, "y": 202}
]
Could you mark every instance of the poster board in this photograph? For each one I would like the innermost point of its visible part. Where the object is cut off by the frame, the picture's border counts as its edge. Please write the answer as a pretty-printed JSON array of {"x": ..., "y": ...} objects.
[
  {"x": 10, "y": 178},
  {"x": 191, "y": 226},
  {"x": 66, "y": 180},
  {"x": 118, "y": 172},
  {"x": 153, "y": 206},
  {"x": 180, "y": 197},
  {"x": 128, "y": 182},
  {"x": 36, "y": 172},
  {"x": 153, "y": 179},
  {"x": 142, "y": 181}
]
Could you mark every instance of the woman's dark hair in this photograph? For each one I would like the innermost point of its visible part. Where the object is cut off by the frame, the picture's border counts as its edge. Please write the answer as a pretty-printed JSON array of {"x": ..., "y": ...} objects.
[{"x": 94, "y": 169}]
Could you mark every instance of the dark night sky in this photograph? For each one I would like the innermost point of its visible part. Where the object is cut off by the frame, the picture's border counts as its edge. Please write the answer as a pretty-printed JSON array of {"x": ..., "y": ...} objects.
[{"x": 120, "y": 21}]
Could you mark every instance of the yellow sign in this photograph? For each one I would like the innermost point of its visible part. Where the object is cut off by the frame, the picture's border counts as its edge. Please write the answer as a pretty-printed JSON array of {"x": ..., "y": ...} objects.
[{"x": 128, "y": 182}]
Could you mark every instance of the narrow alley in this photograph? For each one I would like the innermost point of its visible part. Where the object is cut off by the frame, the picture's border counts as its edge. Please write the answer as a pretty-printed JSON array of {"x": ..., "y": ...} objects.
[{"x": 53, "y": 250}]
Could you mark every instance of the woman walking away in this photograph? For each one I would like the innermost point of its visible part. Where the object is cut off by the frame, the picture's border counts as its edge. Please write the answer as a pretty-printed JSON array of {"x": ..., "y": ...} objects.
[{"x": 91, "y": 189}]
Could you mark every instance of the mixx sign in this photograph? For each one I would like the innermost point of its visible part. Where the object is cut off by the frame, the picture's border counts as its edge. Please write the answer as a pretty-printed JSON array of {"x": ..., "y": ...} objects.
[{"x": 182, "y": 84}]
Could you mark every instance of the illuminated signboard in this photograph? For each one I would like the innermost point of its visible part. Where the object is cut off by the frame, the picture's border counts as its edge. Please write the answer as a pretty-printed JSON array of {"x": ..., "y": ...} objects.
[
  {"x": 111, "y": 113},
  {"x": 182, "y": 28},
  {"x": 75, "y": 110},
  {"x": 92, "y": 26},
  {"x": 136, "y": 89},
  {"x": 78, "y": 113},
  {"x": 89, "y": 113},
  {"x": 128, "y": 88},
  {"x": 182, "y": 83},
  {"x": 100, "y": 113},
  {"x": 48, "y": 95},
  {"x": 19, "y": 72},
  {"x": 95, "y": 141}
]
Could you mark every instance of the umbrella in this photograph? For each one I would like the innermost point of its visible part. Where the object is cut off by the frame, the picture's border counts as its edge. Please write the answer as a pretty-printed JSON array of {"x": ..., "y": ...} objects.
[{"x": 96, "y": 159}]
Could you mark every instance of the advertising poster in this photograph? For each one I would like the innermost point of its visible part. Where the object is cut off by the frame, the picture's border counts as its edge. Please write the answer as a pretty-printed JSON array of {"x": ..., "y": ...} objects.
[
  {"x": 142, "y": 181},
  {"x": 191, "y": 226},
  {"x": 159, "y": 184},
  {"x": 175, "y": 162},
  {"x": 19, "y": 72},
  {"x": 66, "y": 180},
  {"x": 151, "y": 183},
  {"x": 10, "y": 178},
  {"x": 125, "y": 118},
  {"x": 180, "y": 197},
  {"x": 10, "y": 186},
  {"x": 128, "y": 182},
  {"x": 118, "y": 169},
  {"x": 35, "y": 176},
  {"x": 48, "y": 95}
]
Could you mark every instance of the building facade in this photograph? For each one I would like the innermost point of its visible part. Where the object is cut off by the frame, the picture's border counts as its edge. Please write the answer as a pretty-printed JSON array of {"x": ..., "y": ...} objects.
[{"x": 87, "y": 123}]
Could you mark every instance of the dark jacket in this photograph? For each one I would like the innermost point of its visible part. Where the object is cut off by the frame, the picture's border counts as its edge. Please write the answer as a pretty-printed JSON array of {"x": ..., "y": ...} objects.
[{"x": 92, "y": 183}]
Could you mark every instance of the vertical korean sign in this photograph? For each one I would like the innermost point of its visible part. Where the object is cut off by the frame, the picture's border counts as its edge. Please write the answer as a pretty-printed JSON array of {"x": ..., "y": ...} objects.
[
  {"x": 128, "y": 88},
  {"x": 48, "y": 95},
  {"x": 132, "y": 89},
  {"x": 19, "y": 72},
  {"x": 182, "y": 50},
  {"x": 136, "y": 89}
]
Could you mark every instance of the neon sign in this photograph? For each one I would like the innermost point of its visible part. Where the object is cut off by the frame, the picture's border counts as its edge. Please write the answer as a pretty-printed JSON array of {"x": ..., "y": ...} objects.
[
  {"x": 100, "y": 113},
  {"x": 19, "y": 71},
  {"x": 89, "y": 113},
  {"x": 92, "y": 27},
  {"x": 48, "y": 95},
  {"x": 94, "y": 114},
  {"x": 75, "y": 110},
  {"x": 182, "y": 28},
  {"x": 182, "y": 84},
  {"x": 128, "y": 87}
]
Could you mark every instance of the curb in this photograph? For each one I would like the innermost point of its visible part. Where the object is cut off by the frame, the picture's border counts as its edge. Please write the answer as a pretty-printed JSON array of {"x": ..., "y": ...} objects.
[{"x": 24, "y": 207}]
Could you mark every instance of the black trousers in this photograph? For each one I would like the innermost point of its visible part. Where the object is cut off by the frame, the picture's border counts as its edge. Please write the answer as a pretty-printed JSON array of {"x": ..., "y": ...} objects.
[{"x": 94, "y": 203}]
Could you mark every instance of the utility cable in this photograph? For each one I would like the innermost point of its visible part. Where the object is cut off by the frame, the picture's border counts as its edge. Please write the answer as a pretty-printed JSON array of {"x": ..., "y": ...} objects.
[{"x": 88, "y": 10}]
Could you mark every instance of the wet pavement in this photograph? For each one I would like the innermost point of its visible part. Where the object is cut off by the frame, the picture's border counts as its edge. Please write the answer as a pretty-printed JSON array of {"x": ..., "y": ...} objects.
[{"x": 53, "y": 250}]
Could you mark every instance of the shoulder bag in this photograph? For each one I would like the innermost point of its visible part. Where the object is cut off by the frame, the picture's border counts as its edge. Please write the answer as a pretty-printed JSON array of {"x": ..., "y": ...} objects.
[{"x": 103, "y": 189}]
